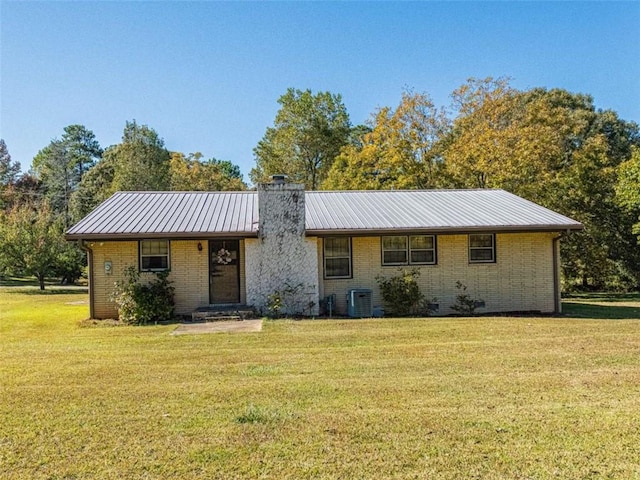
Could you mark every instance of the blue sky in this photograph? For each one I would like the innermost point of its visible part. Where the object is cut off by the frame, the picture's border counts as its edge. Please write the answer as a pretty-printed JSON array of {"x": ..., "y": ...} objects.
[{"x": 207, "y": 75}]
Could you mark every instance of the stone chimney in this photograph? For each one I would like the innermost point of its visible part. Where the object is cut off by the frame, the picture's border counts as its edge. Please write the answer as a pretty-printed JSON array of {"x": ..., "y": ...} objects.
[
  {"x": 281, "y": 210},
  {"x": 282, "y": 261}
]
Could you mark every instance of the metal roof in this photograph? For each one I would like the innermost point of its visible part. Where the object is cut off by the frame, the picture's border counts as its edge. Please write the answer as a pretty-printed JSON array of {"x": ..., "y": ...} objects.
[
  {"x": 171, "y": 214},
  {"x": 128, "y": 215},
  {"x": 429, "y": 210}
]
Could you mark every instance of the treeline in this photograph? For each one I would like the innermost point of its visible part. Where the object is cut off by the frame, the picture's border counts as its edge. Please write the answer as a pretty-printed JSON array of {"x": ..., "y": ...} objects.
[
  {"x": 71, "y": 176},
  {"x": 552, "y": 147}
]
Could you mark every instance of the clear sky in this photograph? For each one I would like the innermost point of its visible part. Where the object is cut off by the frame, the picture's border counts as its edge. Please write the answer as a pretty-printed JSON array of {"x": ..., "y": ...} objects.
[{"x": 207, "y": 75}]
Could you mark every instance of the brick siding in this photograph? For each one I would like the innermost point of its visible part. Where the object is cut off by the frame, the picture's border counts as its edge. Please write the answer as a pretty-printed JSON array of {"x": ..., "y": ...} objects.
[
  {"x": 522, "y": 279},
  {"x": 189, "y": 273}
]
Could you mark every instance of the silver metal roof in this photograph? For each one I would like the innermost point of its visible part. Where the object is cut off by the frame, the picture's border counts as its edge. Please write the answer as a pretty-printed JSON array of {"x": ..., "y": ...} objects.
[
  {"x": 429, "y": 210},
  {"x": 204, "y": 214},
  {"x": 171, "y": 214}
]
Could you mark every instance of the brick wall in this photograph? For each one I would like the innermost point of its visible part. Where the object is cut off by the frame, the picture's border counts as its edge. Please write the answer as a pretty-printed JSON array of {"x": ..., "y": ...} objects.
[
  {"x": 189, "y": 273},
  {"x": 120, "y": 254},
  {"x": 520, "y": 280}
]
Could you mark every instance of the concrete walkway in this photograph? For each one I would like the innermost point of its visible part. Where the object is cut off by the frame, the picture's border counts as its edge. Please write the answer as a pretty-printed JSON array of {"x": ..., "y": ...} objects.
[{"x": 218, "y": 327}]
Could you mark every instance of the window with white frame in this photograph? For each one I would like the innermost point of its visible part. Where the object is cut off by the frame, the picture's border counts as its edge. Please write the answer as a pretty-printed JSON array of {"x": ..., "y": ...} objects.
[
  {"x": 337, "y": 257},
  {"x": 154, "y": 255},
  {"x": 482, "y": 248},
  {"x": 409, "y": 250}
]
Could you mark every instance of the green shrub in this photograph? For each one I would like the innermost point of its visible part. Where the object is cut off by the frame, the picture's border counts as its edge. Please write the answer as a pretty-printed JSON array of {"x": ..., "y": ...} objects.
[
  {"x": 141, "y": 304},
  {"x": 401, "y": 294},
  {"x": 465, "y": 304}
]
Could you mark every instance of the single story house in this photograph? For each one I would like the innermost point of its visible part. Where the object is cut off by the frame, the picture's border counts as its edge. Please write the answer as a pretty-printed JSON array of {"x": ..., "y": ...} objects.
[{"x": 238, "y": 248}]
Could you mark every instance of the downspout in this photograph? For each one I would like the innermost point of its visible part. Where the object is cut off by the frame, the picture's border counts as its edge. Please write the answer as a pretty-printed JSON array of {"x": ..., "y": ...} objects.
[
  {"x": 87, "y": 248},
  {"x": 557, "y": 300}
]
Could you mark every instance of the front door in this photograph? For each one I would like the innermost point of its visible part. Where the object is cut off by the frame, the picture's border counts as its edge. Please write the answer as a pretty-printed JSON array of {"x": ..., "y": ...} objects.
[{"x": 224, "y": 271}]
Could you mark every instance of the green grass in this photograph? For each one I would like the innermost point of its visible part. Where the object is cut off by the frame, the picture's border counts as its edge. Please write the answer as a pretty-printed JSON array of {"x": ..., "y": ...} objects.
[
  {"x": 448, "y": 398},
  {"x": 606, "y": 306}
]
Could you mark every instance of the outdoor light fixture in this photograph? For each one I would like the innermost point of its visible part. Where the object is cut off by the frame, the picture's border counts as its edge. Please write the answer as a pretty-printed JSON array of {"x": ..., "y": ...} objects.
[{"x": 199, "y": 246}]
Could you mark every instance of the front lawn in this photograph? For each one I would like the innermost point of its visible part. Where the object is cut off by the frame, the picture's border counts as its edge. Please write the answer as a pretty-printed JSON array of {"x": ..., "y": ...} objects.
[{"x": 443, "y": 398}]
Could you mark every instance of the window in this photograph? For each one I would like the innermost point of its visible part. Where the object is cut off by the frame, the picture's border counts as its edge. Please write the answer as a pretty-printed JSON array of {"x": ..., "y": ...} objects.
[
  {"x": 154, "y": 255},
  {"x": 422, "y": 250},
  {"x": 482, "y": 248},
  {"x": 412, "y": 250},
  {"x": 394, "y": 250},
  {"x": 337, "y": 257}
]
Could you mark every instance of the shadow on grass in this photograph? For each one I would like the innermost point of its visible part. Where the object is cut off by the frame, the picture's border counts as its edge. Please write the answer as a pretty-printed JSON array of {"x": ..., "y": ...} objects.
[
  {"x": 31, "y": 286},
  {"x": 603, "y": 296},
  {"x": 18, "y": 282},
  {"x": 53, "y": 291},
  {"x": 601, "y": 312}
]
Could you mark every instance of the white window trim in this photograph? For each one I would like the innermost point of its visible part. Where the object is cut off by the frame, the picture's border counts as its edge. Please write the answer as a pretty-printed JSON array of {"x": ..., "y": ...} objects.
[
  {"x": 168, "y": 255},
  {"x": 409, "y": 250},
  {"x": 493, "y": 248},
  {"x": 350, "y": 258}
]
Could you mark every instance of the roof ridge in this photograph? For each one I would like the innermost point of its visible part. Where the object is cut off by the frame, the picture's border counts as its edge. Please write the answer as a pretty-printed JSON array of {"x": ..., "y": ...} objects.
[
  {"x": 244, "y": 192},
  {"x": 157, "y": 192},
  {"x": 424, "y": 190}
]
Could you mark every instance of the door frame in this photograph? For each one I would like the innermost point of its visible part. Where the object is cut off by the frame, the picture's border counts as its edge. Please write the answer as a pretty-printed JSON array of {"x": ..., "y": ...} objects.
[{"x": 237, "y": 260}]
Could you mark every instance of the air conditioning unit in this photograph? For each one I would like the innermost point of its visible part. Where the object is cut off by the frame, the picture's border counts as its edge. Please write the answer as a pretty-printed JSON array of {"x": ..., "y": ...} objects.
[{"x": 360, "y": 302}]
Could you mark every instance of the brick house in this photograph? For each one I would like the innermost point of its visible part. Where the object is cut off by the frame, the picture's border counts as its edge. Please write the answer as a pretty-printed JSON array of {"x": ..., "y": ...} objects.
[{"x": 236, "y": 248}]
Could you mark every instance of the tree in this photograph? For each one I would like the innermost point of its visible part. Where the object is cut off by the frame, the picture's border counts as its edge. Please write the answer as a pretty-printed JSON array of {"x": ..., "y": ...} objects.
[
  {"x": 26, "y": 188},
  {"x": 141, "y": 162},
  {"x": 400, "y": 150},
  {"x": 82, "y": 150},
  {"x": 9, "y": 171},
  {"x": 61, "y": 165},
  {"x": 628, "y": 187},
  {"x": 31, "y": 241},
  {"x": 96, "y": 186},
  {"x": 308, "y": 133},
  {"x": 190, "y": 173},
  {"x": 554, "y": 148},
  {"x": 480, "y": 148},
  {"x": 53, "y": 168}
]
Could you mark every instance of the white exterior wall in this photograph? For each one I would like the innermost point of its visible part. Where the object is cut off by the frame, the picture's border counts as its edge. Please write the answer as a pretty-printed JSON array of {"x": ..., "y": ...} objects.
[{"x": 282, "y": 259}]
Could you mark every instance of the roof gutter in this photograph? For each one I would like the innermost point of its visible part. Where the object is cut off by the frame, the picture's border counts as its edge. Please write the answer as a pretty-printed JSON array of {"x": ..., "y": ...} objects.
[
  {"x": 445, "y": 230},
  {"x": 557, "y": 287},
  {"x": 164, "y": 236},
  {"x": 324, "y": 232},
  {"x": 87, "y": 248}
]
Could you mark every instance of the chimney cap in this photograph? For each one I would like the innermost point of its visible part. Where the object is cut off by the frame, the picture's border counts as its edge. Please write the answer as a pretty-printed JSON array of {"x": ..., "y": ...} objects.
[{"x": 278, "y": 178}]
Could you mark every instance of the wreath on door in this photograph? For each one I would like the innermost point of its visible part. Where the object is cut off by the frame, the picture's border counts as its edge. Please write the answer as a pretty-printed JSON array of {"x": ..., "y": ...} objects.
[{"x": 223, "y": 257}]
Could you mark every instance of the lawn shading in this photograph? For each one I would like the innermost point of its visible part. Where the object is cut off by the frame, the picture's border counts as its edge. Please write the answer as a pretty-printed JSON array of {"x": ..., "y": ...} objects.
[
  {"x": 29, "y": 282},
  {"x": 604, "y": 296},
  {"x": 605, "y": 306},
  {"x": 599, "y": 311},
  {"x": 437, "y": 398}
]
